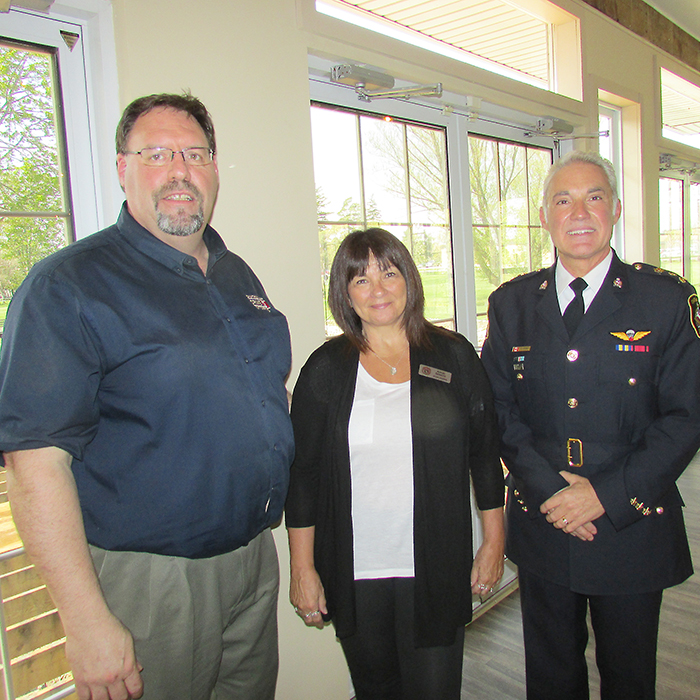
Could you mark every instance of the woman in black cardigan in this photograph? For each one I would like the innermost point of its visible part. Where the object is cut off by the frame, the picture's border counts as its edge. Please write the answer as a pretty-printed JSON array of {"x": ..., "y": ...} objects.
[{"x": 391, "y": 419}]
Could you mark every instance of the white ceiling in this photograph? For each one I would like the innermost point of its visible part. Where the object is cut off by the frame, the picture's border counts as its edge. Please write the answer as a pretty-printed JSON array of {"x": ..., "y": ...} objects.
[{"x": 684, "y": 13}]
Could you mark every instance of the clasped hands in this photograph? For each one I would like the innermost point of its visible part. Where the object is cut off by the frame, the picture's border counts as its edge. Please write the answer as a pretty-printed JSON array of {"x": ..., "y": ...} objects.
[{"x": 574, "y": 508}]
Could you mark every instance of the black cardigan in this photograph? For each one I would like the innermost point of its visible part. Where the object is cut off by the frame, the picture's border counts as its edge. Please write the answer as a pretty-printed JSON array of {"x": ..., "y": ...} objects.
[{"x": 454, "y": 435}]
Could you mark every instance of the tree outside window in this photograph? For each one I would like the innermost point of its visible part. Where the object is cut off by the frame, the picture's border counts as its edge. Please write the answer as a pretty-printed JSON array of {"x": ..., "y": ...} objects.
[
  {"x": 34, "y": 197},
  {"x": 506, "y": 192}
]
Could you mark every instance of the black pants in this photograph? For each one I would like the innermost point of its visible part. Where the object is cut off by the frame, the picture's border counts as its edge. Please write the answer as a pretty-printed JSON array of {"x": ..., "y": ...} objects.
[
  {"x": 384, "y": 663},
  {"x": 556, "y": 634}
]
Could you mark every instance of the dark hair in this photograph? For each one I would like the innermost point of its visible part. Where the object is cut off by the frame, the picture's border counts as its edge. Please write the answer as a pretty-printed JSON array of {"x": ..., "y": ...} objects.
[
  {"x": 352, "y": 260},
  {"x": 182, "y": 103}
]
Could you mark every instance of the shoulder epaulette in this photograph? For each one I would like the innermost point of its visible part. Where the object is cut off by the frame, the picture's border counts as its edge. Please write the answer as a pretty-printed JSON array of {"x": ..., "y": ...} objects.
[
  {"x": 524, "y": 275},
  {"x": 654, "y": 270}
]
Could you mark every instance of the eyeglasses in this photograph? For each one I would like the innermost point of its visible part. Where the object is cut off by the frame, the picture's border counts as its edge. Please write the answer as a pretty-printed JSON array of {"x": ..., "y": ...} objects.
[{"x": 159, "y": 157}]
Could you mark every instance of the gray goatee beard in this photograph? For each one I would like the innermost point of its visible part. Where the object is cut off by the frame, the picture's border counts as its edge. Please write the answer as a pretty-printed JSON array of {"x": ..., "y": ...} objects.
[{"x": 180, "y": 223}]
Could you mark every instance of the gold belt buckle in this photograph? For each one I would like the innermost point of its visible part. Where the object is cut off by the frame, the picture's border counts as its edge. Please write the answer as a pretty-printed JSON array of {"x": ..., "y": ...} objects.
[{"x": 574, "y": 442}]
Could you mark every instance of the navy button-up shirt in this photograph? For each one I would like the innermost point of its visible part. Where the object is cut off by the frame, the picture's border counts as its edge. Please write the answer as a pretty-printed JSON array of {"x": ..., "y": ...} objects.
[{"x": 165, "y": 385}]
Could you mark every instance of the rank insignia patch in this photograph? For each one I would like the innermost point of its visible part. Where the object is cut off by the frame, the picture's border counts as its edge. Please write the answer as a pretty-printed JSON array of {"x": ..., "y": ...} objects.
[
  {"x": 630, "y": 335},
  {"x": 694, "y": 313},
  {"x": 258, "y": 302}
]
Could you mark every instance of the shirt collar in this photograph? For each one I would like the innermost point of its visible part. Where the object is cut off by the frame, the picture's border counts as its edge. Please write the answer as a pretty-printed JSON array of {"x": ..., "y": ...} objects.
[
  {"x": 145, "y": 242},
  {"x": 594, "y": 279}
]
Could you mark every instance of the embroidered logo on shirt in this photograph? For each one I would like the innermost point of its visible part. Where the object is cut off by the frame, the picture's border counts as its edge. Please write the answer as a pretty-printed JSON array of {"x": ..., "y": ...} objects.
[
  {"x": 258, "y": 302},
  {"x": 434, "y": 373}
]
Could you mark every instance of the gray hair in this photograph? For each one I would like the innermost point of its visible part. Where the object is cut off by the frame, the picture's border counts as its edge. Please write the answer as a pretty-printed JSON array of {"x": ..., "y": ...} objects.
[{"x": 580, "y": 157}]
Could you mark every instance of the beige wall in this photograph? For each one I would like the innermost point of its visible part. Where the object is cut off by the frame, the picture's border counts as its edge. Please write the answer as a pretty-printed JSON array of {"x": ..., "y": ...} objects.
[{"x": 249, "y": 66}]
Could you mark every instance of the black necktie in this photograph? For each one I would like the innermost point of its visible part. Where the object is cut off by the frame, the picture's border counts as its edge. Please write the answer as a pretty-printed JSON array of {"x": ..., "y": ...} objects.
[{"x": 574, "y": 311}]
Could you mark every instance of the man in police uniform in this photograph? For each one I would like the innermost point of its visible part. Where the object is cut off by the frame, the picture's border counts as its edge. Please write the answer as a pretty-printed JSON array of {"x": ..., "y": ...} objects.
[{"x": 599, "y": 409}]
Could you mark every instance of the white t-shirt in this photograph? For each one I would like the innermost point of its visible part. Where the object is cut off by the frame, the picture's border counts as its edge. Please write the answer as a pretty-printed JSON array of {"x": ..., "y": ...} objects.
[{"x": 381, "y": 471}]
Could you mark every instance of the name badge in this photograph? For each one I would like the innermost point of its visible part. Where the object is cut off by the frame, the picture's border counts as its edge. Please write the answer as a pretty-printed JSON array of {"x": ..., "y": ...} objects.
[{"x": 434, "y": 373}]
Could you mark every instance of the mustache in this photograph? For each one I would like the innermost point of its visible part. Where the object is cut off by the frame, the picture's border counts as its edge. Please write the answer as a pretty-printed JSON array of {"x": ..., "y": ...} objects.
[{"x": 177, "y": 185}]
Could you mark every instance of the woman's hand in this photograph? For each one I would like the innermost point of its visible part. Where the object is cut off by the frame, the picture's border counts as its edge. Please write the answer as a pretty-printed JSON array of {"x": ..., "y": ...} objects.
[
  {"x": 305, "y": 588},
  {"x": 488, "y": 562},
  {"x": 308, "y": 598}
]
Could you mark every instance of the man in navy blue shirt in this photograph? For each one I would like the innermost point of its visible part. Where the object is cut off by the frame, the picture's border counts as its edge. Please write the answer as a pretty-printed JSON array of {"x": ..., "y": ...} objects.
[{"x": 145, "y": 431}]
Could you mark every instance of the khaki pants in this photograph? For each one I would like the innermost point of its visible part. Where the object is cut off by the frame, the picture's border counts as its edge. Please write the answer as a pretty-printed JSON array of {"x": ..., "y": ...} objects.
[{"x": 203, "y": 628}]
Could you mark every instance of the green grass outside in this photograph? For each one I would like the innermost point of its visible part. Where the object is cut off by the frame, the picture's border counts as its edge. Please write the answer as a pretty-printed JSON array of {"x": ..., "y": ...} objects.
[{"x": 439, "y": 293}]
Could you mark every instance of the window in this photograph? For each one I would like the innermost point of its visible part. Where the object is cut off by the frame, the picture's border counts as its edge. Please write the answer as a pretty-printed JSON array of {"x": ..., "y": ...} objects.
[
  {"x": 610, "y": 147},
  {"x": 679, "y": 225},
  {"x": 54, "y": 182},
  {"x": 506, "y": 191},
  {"x": 533, "y": 41},
  {"x": 680, "y": 109},
  {"x": 36, "y": 214},
  {"x": 374, "y": 170}
]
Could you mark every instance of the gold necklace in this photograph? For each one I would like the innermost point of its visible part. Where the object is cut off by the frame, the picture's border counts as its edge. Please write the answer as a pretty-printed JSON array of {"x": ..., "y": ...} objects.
[{"x": 392, "y": 369}]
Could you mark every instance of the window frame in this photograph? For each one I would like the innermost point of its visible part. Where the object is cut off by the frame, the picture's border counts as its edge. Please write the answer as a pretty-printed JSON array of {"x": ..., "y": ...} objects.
[
  {"x": 686, "y": 179},
  {"x": 89, "y": 97}
]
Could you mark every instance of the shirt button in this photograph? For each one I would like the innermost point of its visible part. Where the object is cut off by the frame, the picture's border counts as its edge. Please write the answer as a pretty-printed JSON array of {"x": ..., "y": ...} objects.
[
  {"x": 572, "y": 403},
  {"x": 263, "y": 403},
  {"x": 660, "y": 510},
  {"x": 227, "y": 319},
  {"x": 572, "y": 355},
  {"x": 631, "y": 381},
  {"x": 247, "y": 360}
]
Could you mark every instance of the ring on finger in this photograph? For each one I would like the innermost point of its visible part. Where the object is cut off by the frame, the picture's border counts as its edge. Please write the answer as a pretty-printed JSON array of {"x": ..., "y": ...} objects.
[
  {"x": 311, "y": 614},
  {"x": 565, "y": 521}
]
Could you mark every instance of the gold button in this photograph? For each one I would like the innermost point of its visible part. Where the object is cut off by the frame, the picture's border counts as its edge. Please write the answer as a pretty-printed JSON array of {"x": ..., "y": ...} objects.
[
  {"x": 660, "y": 510},
  {"x": 631, "y": 381},
  {"x": 572, "y": 355},
  {"x": 572, "y": 403}
]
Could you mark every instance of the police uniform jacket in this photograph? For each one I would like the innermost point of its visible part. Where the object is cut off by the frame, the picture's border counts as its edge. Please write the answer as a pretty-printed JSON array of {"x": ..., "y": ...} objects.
[{"x": 619, "y": 404}]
